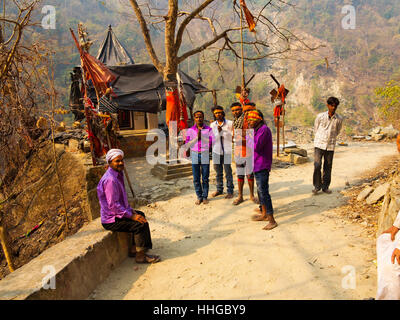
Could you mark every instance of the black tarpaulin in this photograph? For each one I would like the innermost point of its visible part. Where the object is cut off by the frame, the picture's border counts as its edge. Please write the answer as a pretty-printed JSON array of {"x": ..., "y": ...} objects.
[
  {"x": 112, "y": 52},
  {"x": 140, "y": 87}
]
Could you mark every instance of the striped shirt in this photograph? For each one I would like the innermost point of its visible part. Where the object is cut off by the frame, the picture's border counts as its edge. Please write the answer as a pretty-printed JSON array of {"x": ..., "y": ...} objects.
[{"x": 326, "y": 130}]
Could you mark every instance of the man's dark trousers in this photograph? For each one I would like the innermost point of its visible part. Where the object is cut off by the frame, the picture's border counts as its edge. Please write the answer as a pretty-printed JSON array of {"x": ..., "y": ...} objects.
[
  {"x": 141, "y": 237},
  {"x": 221, "y": 163},
  {"x": 326, "y": 178},
  {"x": 262, "y": 179},
  {"x": 201, "y": 173}
]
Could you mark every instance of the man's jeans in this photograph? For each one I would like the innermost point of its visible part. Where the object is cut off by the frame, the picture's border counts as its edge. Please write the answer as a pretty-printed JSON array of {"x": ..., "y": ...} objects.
[
  {"x": 262, "y": 179},
  {"x": 328, "y": 159},
  {"x": 221, "y": 163},
  {"x": 201, "y": 169}
]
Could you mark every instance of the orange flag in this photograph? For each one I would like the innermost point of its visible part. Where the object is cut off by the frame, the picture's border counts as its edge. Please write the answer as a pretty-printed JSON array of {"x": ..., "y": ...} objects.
[
  {"x": 95, "y": 70},
  {"x": 249, "y": 16}
]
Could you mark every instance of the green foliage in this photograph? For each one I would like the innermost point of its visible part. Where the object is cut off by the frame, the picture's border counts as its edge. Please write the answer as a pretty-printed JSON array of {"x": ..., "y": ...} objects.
[
  {"x": 348, "y": 130},
  {"x": 389, "y": 101}
]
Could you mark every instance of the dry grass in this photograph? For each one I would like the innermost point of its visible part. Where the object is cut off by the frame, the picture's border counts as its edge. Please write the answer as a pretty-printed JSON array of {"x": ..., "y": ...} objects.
[{"x": 359, "y": 211}]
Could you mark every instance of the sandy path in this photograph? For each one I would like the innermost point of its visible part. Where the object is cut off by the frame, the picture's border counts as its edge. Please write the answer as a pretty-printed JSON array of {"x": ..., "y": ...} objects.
[{"x": 215, "y": 251}]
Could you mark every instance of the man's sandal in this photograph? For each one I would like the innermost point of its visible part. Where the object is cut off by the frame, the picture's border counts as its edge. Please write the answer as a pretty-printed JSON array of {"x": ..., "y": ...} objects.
[
  {"x": 216, "y": 194},
  {"x": 148, "y": 259},
  {"x": 238, "y": 201}
]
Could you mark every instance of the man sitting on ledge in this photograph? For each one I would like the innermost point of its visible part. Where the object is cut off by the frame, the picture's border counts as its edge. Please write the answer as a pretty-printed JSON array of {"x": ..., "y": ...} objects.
[{"x": 116, "y": 213}]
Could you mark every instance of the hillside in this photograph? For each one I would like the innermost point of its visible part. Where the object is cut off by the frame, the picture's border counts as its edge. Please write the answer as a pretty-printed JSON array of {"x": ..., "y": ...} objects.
[{"x": 359, "y": 60}]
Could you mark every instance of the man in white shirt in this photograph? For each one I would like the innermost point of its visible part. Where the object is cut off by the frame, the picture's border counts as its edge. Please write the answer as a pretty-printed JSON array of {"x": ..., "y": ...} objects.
[
  {"x": 222, "y": 151},
  {"x": 326, "y": 128},
  {"x": 388, "y": 252}
]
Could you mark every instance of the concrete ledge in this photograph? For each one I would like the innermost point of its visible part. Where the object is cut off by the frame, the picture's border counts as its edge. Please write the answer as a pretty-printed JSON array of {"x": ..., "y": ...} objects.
[{"x": 81, "y": 263}]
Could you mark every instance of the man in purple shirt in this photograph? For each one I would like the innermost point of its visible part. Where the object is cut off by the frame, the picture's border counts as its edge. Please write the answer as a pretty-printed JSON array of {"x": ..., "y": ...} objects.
[
  {"x": 262, "y": 162},
  {"x": 199, "y": 139},
  {"x": 116, "y": 213}
]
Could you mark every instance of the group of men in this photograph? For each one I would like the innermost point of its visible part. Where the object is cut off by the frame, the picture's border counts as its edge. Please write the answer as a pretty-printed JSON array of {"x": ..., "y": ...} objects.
[
  {"x": 251, "y": 141},
  {"x": 248, "y": 141}
]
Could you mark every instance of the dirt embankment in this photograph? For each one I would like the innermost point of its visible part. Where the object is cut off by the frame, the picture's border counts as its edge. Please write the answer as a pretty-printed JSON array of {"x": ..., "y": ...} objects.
[{"x": 37, "y": 199}]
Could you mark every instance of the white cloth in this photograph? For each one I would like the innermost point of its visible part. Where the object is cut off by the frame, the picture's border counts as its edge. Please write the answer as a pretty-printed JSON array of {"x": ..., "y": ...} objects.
[
  {"x": 113, "y": 153},
  {"x": 326, "y": 130},
  {"x": 388, "y": 273},
  {"x": 225, "y": 134}
]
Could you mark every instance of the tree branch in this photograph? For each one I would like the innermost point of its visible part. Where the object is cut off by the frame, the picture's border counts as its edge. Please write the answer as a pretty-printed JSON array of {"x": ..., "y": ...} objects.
[
  {"x": 205, "y": 45},
  {"x": 186, "y": 21},
  {"x": 146, "y": 36}
]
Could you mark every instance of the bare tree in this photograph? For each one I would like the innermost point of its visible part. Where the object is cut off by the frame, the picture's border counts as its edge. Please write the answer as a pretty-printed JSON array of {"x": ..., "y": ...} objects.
[
  {"x": 182, "y": 19},
  {"x": 21, "y": 89}
]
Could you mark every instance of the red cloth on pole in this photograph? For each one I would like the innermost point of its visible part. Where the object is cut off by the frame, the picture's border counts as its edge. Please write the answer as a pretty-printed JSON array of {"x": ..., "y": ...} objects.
[
  {"x": 172, "y": 112},
  {"x": 94, "y": 69},
  {"x": 249, "y": 17},
  {"x": 176, "y": 108}
]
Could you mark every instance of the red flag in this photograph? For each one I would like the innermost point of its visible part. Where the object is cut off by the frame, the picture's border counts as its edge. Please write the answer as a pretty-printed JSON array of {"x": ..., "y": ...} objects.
[
  {"x": 176, "y": 106},
  {"x": 95, "y": 70},
  {"x": 249, "y": 16},
  {"x": 172, "y": 112}
]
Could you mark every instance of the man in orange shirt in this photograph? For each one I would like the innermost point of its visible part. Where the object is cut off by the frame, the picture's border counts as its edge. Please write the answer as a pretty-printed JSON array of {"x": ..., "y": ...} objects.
[{"x": 243, "y": 164}]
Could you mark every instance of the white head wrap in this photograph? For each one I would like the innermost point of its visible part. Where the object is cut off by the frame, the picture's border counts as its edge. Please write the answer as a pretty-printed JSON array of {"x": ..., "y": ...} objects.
[{"x": 113, "y": 153}]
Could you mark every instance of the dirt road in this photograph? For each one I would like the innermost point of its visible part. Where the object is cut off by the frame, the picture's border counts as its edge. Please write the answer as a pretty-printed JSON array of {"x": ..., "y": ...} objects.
[{"x": 215, "y": 251}]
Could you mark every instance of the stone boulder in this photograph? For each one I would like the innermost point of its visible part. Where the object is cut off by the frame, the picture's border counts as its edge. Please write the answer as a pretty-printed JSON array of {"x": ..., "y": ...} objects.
[
  {"x": 365, "y": 193},
  {"x": 378, "y": 193},
  {"x": 390, "y": 206},
  {"x": 294, "y": 158},
  {"x": 298, "y": 151},
  {"x": 390, "y": 132},
  {"x": 378, "y": 137},
  {"x": 376, "y": 130}
]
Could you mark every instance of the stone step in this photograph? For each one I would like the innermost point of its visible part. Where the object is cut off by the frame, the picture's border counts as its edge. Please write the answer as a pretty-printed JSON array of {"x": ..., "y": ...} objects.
[
  {"x": 169, "y": 176},
  {"x": 172, "y": 171},
  {"x": 174, "y": 166}
]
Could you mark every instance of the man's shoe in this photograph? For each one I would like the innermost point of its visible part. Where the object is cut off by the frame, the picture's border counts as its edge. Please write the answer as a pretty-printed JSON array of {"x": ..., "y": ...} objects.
[
  {"x": 327, "y": 191},
  {"x": 315, "y": 191},
  {"x": 205, "y": 201},
  {"x": 229, "y": 196},
  {"x": 198, "y": 201}
]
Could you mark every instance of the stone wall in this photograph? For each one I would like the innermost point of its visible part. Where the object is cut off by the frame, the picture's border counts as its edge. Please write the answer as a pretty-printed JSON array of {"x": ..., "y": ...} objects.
[
  {"x": 390, "y": 206},
  {"x": 81, "y": 262},
  {"x": 134, "y": 144}
]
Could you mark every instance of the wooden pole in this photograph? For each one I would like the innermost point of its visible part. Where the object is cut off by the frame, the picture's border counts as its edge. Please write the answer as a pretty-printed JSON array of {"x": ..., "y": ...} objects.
[
  {"x": 277, "y": 138},
  {"x": 241, "y": 42},
  {"x": 129, "y": 182},
  {"x": 283, "y": 126},
  {"x": 4, "y": 244},
  {"x": 53, "y": 102},
  {"x": 125, "y": 171}
]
